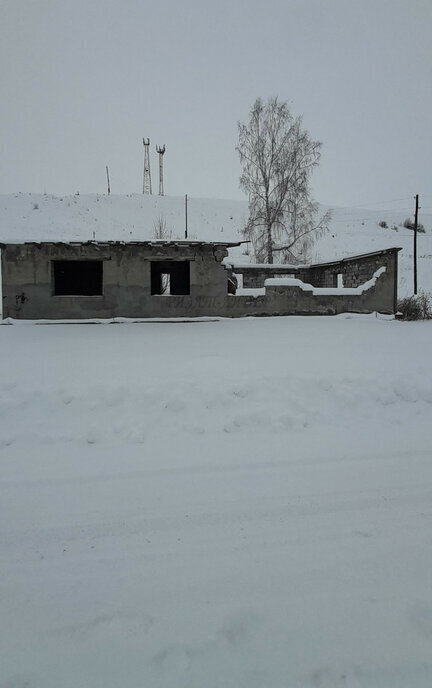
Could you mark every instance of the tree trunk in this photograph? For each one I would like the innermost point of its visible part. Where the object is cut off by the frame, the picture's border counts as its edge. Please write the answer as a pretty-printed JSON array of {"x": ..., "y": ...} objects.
[{"x": 269, "y": 244}]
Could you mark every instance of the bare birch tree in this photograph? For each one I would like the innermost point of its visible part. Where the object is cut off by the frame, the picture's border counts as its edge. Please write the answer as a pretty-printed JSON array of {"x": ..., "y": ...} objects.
[{"x": 278, "y": 156}]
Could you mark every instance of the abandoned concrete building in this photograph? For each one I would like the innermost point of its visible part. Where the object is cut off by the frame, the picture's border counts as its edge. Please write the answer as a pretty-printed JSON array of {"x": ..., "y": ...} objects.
[{"x": 152, "y": 279}]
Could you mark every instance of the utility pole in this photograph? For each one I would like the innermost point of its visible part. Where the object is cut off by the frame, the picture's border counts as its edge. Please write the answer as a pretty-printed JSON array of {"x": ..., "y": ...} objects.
[
  {"x": 186, "y": 226},
  {"x": 108, "y": 181},
  {"x": 161, "y": 151},
  {"x": 415, "y": 242},
  {"x": 147, "y": 187}
]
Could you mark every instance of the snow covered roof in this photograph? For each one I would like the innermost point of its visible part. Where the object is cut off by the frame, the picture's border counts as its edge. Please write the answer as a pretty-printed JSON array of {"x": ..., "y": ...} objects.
[
  {"x": 351, "y": 258},
  {"x": 271, "y": 267},
  {"x": 287, "y": 267},
  {"x": 146, "y": 244}
]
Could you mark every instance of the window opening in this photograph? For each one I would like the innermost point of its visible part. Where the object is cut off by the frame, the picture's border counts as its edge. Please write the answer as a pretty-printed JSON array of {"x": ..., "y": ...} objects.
[
  {"x": 339, "y": 282},
  {"x": 78, "y": 277},
  {"x": 170, "y": 277}
]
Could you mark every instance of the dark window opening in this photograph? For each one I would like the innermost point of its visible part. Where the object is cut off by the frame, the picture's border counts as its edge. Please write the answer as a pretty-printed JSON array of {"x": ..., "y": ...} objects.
[
  {"x": 170, "y": 277},
  {"x": 77, "y": 277}
]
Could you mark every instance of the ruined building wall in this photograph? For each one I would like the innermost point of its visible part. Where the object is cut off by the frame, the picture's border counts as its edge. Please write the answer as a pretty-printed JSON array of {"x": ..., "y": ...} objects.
[
  {"x": 355, "y": 271},
  {"x": 27, "y": 275}
]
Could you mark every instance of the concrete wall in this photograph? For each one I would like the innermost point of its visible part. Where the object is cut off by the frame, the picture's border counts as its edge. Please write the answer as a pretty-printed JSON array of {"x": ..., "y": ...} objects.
[
  {"x": 354, "y": 270},
  {"x": 28, "y": 285}
]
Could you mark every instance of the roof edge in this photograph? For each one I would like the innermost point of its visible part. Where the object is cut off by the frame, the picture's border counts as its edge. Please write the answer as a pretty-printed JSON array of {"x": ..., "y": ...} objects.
[
  {"x": 276, "y": 267},
  {"x": 148, "y": 243}
]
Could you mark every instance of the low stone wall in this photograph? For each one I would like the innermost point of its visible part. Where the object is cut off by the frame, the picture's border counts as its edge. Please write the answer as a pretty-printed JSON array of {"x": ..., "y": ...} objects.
[{"x": 354, "y": 271}]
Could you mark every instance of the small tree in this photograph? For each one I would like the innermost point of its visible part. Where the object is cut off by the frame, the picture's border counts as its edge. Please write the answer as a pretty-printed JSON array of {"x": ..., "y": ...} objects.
[
  {"x": 162, "y": 233},
  {"x": 160, "y": 230},
  {"x": 278, "y": 156}
]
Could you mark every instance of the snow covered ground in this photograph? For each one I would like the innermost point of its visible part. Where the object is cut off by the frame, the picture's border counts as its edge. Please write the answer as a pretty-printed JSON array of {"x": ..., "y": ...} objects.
[
  {"x": 33, "y": 217},
  {"x": 218, "y": 504}
]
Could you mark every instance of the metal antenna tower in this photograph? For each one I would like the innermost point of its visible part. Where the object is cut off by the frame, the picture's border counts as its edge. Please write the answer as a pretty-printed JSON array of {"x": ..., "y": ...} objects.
[
  {"x": 161, "y": 151},
  {"x": 147, "y": 187}
]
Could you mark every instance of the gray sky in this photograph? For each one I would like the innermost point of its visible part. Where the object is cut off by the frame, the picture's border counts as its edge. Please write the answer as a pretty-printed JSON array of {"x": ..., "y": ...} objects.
[{"x": 82, "y": 82}]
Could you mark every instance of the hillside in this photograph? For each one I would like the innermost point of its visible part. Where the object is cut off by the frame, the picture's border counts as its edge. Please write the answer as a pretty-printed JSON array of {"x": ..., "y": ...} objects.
[{"x": 36, "y": 217}]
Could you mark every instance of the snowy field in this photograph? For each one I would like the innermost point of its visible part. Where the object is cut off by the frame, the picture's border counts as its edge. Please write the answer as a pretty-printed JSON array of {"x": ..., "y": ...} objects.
[{"x": 223, "y": 504}]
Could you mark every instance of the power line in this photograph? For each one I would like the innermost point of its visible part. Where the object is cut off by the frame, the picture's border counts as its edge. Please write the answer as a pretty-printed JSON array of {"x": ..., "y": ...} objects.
[
  {"x": 394, "y": 200},
  {"x": 374, "y": 212},
  {"x": 345, "y": 218}
]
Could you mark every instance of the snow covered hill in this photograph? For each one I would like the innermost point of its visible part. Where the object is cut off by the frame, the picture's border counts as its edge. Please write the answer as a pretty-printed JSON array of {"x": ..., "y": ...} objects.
[{"x": 35, "y": 217}]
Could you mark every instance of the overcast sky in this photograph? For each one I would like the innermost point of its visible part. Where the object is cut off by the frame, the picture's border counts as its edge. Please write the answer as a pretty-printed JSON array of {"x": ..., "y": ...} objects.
[{"x": 82, "y": 82}]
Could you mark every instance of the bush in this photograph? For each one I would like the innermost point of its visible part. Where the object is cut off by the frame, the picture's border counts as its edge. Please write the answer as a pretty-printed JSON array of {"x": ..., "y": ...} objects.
[
  {"x": 409, "y": 224},
  {"x": 383, "y": 224},
  {"x": 416, "y": 307}
]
